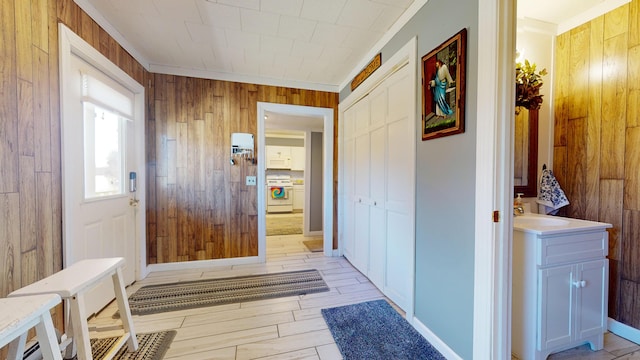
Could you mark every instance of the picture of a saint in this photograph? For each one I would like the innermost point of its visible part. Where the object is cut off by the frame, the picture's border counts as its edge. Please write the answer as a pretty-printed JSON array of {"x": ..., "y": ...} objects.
[
  {"x": 439, "y": 87},
  {"x": 443, "y": 82}
]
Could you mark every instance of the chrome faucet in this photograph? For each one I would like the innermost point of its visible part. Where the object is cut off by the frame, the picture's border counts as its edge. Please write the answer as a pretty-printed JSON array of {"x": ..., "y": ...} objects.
[{"x": 518, "y": 210}]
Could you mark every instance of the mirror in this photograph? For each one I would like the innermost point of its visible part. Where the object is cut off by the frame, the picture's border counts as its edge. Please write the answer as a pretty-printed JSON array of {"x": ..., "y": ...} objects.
[{"x": 525, "y": 163}]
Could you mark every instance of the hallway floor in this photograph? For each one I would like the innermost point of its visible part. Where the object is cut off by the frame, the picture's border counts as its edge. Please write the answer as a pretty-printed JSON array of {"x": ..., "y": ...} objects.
[{"x": 282, "y": 328}]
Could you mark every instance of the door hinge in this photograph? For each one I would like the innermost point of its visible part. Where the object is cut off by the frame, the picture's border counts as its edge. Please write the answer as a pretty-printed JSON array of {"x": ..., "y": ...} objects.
[{"x": 496, "y": 216}]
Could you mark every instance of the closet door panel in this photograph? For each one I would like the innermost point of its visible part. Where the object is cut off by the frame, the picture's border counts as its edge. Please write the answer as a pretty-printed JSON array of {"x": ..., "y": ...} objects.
[
  {"x": 377, "y": 180},
  {"x": 361, "y": 203},
  {"x": 399, "y": 91},
  {"x": 398, "y": 269},
  {"x": 348, "y": 199},
  {"x": 378, "y": 100},
  {"x": 362, "y": 117},
  {"x": 377, "y": 251},
  {"x": 379, "y": 152},
  {"x": 400, "y": 190},
  {"x": 400, "y": 167}
]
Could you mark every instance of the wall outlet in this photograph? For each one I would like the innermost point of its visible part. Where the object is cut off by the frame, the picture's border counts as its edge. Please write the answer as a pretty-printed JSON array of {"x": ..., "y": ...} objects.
[{"x": 251, "y": 181}]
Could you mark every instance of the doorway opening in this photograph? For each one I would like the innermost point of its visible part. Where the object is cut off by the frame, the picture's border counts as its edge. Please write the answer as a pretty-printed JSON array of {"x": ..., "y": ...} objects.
[{"x": 295, "y": 171}]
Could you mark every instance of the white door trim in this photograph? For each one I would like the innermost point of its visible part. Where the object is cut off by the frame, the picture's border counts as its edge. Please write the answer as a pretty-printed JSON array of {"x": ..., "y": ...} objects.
[
  {"x": 494, "y": 180},
  {"x": 406, "y": 56},
  {"x": 70, "y": 43},
  {"x": 327, "y": 172}
]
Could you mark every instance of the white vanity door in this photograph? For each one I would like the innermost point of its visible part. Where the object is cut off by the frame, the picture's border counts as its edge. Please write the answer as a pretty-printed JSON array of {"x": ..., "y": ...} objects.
[
  {"x": 555, "y": 306},
  {"x": 591, "y": 298}
]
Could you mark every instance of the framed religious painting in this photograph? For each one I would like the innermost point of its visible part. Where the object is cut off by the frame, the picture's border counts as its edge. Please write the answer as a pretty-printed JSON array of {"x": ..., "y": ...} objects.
[{"x": 443, "y": 88}]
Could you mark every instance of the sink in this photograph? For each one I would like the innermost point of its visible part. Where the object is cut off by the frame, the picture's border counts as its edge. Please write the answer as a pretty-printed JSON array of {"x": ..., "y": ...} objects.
[
  {"x": 537, "y": 221},
  {"x": 547, "y": 224}
]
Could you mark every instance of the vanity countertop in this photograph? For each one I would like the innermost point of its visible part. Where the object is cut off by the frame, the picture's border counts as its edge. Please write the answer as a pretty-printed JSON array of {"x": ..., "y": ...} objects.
[{"x": 550, "y": 225}]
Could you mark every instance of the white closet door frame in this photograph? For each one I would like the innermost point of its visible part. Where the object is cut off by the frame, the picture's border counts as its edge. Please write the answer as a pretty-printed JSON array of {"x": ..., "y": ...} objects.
[{"x": 406, "y": 56}]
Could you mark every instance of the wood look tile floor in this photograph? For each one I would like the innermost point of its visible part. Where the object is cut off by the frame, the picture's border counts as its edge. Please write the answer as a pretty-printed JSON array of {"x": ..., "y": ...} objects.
[
  {"x": 615, "y": 347},
  {"x": 282, "y": 328}
]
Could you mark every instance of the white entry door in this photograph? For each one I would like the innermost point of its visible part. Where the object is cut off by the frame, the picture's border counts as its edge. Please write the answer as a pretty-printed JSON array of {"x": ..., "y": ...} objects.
[{"x": 99, "y": 157}]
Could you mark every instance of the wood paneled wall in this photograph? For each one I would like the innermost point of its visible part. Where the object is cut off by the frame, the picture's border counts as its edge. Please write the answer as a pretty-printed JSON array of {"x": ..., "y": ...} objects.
[
  {"x": 30, "y": 150},
  {"x": 597, "y": 141},
  {"x": 198, "y": 206}
]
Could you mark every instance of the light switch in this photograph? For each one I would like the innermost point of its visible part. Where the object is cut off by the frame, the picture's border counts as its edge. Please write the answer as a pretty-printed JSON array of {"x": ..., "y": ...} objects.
[{"x": 251, "y": 181}]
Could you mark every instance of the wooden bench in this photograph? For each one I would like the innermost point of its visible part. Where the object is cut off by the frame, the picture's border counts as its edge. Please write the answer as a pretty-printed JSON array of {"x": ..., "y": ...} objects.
[
  {"x": 17, "y": 316},
  {"x": 71, "y": 284}
]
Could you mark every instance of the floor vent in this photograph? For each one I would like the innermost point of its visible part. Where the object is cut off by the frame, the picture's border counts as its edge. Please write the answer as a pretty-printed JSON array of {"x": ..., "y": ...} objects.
[{"x": 32, "y": 353}]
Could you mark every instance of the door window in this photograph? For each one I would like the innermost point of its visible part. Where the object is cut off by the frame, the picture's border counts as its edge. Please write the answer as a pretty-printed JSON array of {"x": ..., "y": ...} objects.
[
  {"x": 104, "y": 155},
  {"x": 106, "y": 108}
]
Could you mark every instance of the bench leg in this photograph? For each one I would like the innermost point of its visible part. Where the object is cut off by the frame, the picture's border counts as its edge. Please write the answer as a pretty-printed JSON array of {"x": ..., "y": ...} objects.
[
  {"x": 125, "y": 311},
  {"x": 47, "y": 338},
  {"x": 80, "y": 327},
  {"x": 16, "y": 347}
]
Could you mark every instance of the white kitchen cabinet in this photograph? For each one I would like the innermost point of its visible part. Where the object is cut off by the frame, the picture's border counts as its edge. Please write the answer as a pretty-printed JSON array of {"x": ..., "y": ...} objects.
[
  {"x": 278, "y": 157},
  {"x": 297, "y": 158},
  {"x": 560, "y": 288},
  {"x": 378, "y": 167},
  {"x": 298, "y": 197}
]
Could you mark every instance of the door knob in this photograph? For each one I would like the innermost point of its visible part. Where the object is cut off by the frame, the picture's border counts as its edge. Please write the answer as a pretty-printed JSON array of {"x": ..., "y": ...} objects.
[{"x": 133, "y": 202}]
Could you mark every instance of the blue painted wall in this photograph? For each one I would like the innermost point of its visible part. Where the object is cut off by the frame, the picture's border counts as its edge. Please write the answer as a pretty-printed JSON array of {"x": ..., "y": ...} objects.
[{"x": 445, "y": 194}]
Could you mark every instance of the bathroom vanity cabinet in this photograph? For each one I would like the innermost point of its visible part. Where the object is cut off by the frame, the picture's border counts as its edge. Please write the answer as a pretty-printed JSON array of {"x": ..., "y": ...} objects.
[{"x": 560, "y": 285}]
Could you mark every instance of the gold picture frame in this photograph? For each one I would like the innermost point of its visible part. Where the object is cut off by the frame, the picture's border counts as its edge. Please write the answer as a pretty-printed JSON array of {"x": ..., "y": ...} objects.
[{"x": 443, "y": 88}]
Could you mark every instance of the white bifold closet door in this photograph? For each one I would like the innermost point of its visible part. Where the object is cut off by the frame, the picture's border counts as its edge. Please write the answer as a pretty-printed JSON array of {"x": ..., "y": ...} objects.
[{"x": 379, "y": 166}]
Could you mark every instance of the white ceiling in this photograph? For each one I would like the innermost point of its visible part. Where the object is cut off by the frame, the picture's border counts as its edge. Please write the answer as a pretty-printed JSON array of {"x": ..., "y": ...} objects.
[
  {"x": 565, "y": 14},
  {"x": 312, "y": 44},
  {"x": 307, "y": 43}
]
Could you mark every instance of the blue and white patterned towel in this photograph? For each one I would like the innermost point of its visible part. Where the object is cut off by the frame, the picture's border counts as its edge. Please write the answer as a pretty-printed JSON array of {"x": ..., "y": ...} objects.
[{"x": 551, "y": 195}]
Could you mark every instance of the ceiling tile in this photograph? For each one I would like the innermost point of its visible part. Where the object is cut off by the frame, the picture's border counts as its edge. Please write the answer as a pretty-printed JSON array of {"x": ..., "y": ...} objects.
[
  {"x": 360, "y": 13},
  {"x": 326, "y": 10},
  {"x": 247, "y": 4},
  {"x": 335, "y": 54},
  {"x": 185, "y": 10},
  {"x": 286, "y": 60},
  {"x": 396, "y": 3},
  {"x": 329, "y": 34},
  {"x": 217, "y": 64},
  {"x": 296, "y": 40},
  {"x": 201, "y": 33},
  {"x": 221, "y": 16},
  {"x": 259, "y": 22},
  {"x": 276, "y": 44},
  {"x": 276, "y": 71},
  {"x": 299, "y": 73},
  {"x": 242, "y": 67},
  {"x": 306, "y": 50},
  {"x": 360, "y": 40},
  {"x": 296, "y": 28},
  {"x": 386, "y": 18},
  {"x": 283, "y": 7},
  {"x": 242, "y": 40}
]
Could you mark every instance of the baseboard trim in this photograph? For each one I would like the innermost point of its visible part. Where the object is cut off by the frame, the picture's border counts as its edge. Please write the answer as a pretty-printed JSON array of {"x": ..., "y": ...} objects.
[
  {"x": 189, "y": 265},
  {"x": 434, "y": 340},
  {"x": 623, "y": 330}
]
